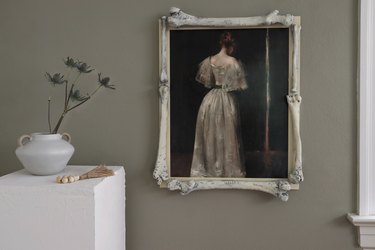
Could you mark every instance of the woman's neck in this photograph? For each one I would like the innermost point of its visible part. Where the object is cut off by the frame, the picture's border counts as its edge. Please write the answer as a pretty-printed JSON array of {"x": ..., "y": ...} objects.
[{"x": 223, "y": 52}]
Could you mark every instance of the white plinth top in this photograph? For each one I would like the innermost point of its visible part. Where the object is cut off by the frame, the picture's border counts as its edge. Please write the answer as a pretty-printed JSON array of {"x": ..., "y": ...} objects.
[{"x": 23, "y": 178}]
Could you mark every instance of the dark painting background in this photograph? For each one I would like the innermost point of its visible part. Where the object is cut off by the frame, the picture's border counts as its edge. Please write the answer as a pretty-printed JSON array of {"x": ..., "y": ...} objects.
[{"x": 187, "y": 49}]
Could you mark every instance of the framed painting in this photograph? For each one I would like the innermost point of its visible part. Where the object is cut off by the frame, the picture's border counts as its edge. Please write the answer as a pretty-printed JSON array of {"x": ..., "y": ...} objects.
[{"x": 230, "y": 103}]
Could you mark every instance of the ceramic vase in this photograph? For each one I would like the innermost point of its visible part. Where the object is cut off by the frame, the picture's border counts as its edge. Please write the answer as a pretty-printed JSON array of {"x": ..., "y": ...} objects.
[{"x": 44, "y": 153}]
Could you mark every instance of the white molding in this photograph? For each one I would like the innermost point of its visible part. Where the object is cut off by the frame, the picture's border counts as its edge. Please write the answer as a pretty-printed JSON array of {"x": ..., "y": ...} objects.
[
  {"x": 366, "y": 108},
  {"x": 366, "y": 230},
  {"x": 366, "y": 201},
  {"x": 365, "y": 219}
]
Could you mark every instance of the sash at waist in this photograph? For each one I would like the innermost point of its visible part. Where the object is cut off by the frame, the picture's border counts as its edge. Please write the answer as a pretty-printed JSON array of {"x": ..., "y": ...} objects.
[
  {"x": 222, "y": 86},
  {"x": 218, "y": 86}
]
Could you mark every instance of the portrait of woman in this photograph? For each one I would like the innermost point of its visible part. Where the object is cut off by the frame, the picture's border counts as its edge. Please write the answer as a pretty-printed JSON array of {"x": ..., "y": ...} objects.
[
  {"x": 217, "y": 147},
  {"x": 228, "y": 111}
]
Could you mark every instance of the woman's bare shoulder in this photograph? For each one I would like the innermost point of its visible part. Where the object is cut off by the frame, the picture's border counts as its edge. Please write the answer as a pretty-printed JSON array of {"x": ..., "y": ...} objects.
[
  {"x": 220, "y": 60},
  {"x": 233, "y": 60}
]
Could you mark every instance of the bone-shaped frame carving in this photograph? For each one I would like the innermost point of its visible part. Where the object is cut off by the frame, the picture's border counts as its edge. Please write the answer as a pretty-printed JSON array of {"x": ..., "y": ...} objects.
[{"x": 277, "y": 187}]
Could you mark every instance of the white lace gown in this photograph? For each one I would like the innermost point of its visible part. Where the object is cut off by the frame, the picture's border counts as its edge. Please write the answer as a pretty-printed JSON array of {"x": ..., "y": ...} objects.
[{"x": 217, "y": 147}]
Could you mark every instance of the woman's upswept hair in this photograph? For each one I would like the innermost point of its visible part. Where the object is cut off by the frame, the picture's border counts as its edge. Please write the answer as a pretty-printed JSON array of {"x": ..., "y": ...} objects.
[{"x": 227, "y": 40}]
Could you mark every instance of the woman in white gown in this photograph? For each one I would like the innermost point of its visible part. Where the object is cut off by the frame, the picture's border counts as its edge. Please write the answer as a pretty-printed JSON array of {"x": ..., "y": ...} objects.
[{"x": 217, "y": 147}]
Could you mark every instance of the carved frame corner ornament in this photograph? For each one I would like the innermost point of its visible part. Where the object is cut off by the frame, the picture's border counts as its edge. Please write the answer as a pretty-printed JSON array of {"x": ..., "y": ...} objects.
[{"x": 278, "y": 187}]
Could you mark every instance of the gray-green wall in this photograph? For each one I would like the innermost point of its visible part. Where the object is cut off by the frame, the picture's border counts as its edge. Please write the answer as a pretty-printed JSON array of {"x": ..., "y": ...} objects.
[{"x": 121, "y": 127}]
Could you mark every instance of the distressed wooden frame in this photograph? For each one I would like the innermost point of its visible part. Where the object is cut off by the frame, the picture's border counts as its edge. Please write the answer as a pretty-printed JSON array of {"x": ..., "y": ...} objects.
[{"x": 277, "y": 187}]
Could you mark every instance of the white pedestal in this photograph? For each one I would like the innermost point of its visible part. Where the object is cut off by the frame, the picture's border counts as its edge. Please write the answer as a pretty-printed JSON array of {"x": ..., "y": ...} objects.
[{"x": 36, "y": 213}]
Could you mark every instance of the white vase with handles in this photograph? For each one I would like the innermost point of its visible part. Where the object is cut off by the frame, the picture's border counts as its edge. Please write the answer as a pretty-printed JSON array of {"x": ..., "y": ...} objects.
[{"x": 44, "y": 153}]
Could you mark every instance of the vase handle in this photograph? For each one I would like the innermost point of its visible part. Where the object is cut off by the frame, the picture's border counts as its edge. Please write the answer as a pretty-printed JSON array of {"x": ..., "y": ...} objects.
[
  {"x": 66, "y": 137},
  {"x": 22, "y": 138}
]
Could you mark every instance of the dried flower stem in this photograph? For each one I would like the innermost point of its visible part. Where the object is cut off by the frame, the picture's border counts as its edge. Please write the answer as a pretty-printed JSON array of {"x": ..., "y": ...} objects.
[
  {"x": 66, "y": 89},
  {"x": 79, "y": 104},
  {"x": 96, "y": 90},
  {"x": 86, "y": 99},
  {"x": 59, "y": 123},
  {"x": 71, "y": 91},
  {"x": 66, "y": 106},
  {"x": 49, "y": 114},
  {"x": 66, "y": 93}
]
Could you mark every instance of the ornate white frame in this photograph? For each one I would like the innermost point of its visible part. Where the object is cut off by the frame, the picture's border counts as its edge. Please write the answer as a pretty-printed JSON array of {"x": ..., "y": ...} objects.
[{"x": 277, "y": 187}]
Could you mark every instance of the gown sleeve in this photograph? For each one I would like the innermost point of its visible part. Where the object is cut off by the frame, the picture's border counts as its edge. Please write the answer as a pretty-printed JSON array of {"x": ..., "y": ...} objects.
[
  {"x": 205, "y": 75},
  {"x": 239, "y": 78}
]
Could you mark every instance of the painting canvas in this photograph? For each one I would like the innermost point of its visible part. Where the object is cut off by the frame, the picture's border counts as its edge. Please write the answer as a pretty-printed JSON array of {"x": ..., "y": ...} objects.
[{"x": 228, "y": 113}]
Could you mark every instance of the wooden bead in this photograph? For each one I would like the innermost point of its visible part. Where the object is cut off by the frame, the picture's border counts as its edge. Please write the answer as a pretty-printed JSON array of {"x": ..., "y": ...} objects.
[
  {"x": 64, "y": 179},
  {"x": 71, "y": 179},
  {"x": 58, "y": 179}
]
